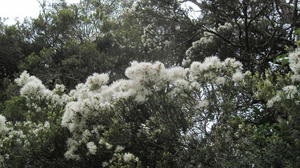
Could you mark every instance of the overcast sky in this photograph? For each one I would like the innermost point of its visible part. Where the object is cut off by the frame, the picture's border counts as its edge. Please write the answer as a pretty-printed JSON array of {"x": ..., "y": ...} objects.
[{"x": 19, "y": 9}]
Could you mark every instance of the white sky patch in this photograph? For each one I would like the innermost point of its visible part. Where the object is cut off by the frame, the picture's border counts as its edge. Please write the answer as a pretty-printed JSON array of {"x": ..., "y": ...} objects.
[
  {"x": 194, "y": 11},
  {"x": 19, "y": 9}
]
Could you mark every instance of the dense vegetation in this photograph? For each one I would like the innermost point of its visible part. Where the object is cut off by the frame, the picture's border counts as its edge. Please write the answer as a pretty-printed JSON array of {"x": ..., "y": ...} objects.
[{"x": 146, "y": 83}]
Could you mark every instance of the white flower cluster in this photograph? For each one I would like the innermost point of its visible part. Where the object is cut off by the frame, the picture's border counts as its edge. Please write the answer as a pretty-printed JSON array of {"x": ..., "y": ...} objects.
[
  {"x": 3, "y": 127},
  {"x": 214, "y": 69},
  {"x": 22, "y": 135},
  {"x": 91, "y": 147},
  {"x": 273, "y": 100},
  {"x": 209, "y": 63},
  {"x": 220, "y": 80},
  {"x": 288, "y": 92},
  {"x": 96, "y": 81},
  {"x": 33, "y": 89},
  {"x": 238, "y": 76},
  {"x": 93, "y": 105},
  {"x": 204, "y": 42},
  {"x": 152, "y": 38},
  {"x": 294, "y": 60},
  {"x": 92, "y": 101},
  {"x": 95, "y": 98},
  {"x": 121, "y": 158},
  {"x": 72, "y": 148},
  {"x": 86, "y": 107},
  {"x": 225, "y": 27},
  {"x": 128, "y": 157},
  {"x": 208, "y": 39}
]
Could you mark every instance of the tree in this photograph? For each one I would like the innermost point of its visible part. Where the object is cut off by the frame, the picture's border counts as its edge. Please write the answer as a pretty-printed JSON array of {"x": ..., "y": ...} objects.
[
  {"x": 209, "y": 112},
  {"x": 202, "y": 116},
  {"x": 254, "y": 32}
]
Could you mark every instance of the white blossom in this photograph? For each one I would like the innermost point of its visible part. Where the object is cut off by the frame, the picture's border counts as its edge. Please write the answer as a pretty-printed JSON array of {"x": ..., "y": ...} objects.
[
  {"x": 59, "y": 88},
  {"x": 225, "y": 27},
  {"x": 128, "y": 157},
  {"x": 91, "y": 147},
  {"x": 72, "y": 147},
  {"x": 119, "y": 148},
  {"x": 23, "y": 79},
  {"x": 231, "y": 62},
  {"x": 220, "y": 80},
  {"x": 105, "y": 164},
  {"x": 47, "y": 124},
  {"x": 144, "y": 71},
  {"x": 186, "y": 61},
  {"x": 108, "y": 145},
  {"x": 290, "y": 90},
  {"x": 296, "y": 78},
  {"x": 3, "y": 127},
  {"x": 96, "y": 81},
  {"x": 273, "y": 100},
  {"x": 175, "y": 73},
  {"x": 237, "y": 76},
  {"x": 209, "y": 63},
  {"x": 69, "y": 114},
  {"x": 294, "y": 60}
]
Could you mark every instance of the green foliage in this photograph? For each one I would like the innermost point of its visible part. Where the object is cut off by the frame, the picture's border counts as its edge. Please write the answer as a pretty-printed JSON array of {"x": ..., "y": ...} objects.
[
  {"x": 297, "y": 31},
  {"x": 15, "y": 109}
]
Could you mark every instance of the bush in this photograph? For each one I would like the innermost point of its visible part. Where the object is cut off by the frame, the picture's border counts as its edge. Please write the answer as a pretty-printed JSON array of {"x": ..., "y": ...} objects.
[{"x": 211, "y": 114}]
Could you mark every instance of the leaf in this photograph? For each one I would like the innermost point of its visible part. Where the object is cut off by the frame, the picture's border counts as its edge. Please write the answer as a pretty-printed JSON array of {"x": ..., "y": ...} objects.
[
  {"x": 297, "y": 31},
  {"x": 283, "y": 59}
]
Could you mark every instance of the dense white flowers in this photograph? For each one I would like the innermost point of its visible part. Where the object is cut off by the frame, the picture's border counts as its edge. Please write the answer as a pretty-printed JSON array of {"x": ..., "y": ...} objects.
[
  {"x": 220, "y": 80},
  {"x": 287, "y": 92},
  {"x": 72, "y": 148},
  {"x": 238, "y": 76},
  {"x": 150, "y": 38},
  {"x": 144, "y": 71},
  {"x": 273, "y": 100},
  {"x": 231, "y": 62},
  {"x": 96, "y": 81},
  {"x": 87, "y": 108},
  {"x": 33, "y": 89},
  {"x": 176, "y": 73},
  {"x": 94, "y": 98},
  {"x": 24, "y": 78},
  {"x": 119, "y": 148},
  {"x": 128, "y": 157},
  {"x": 59, "y": 89},
  {"x": 21, "y": 135},
  {"x": 225, "y": 27},
  {"x": 71, "y": 109},
  {"x": 208, "y": 40},
  {"x": 3, "y": 127},
  {"x": 290, "y": 91},
  {"x": 209, "y": 62},
  {"x": 294, "y": 60},
  {"x": 296, "y": 77},
  {"x": 92, "y": 148},
  {"x": 205, "y": 41}
]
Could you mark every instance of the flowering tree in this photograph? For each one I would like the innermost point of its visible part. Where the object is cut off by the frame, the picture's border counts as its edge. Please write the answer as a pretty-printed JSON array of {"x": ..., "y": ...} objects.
[{"x": 211, "y": 114}]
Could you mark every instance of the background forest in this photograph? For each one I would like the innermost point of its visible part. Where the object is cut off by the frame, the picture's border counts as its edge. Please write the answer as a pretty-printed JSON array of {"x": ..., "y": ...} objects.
[{"x": 146, "y": 83}]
